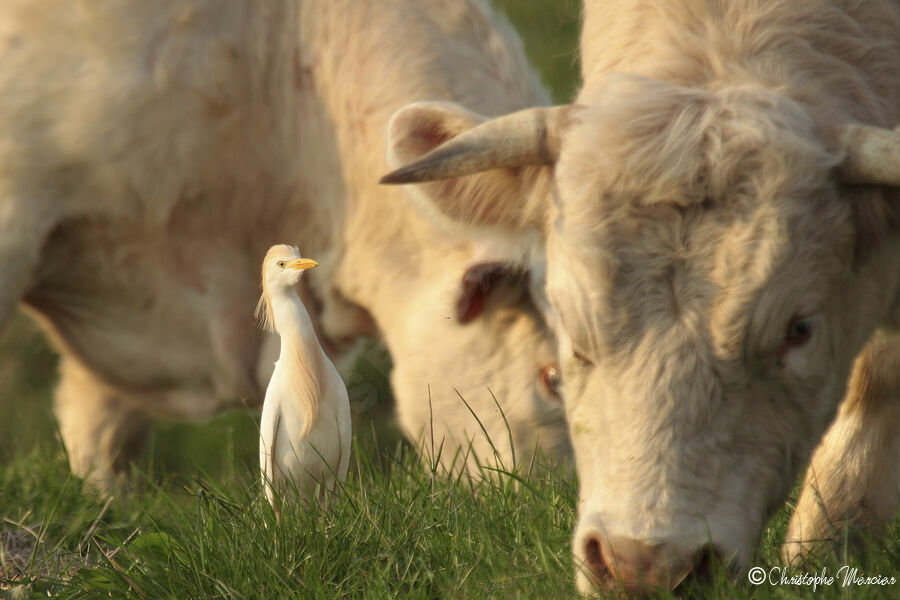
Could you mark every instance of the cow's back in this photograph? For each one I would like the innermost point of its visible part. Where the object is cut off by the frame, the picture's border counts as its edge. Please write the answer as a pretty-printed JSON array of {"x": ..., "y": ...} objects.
[
  {"x": 839, "y": 54},
  {"x": 155, "y": 99}
]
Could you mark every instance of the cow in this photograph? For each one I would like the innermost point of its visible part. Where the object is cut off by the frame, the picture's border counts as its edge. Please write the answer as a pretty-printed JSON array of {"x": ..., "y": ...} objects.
[
  {"x": 715, "y": 224},
  {"x": 462, "y": 329},
  {"x": 150, "y": 154}
]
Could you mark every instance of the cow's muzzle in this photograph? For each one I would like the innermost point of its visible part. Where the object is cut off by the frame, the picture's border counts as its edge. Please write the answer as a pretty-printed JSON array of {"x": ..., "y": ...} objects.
[{"x": 639, "y": 568}]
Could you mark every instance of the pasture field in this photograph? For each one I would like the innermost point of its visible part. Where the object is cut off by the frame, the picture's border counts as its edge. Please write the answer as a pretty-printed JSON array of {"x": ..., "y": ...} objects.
[
  {"x": 193, "y": 523},
  {"x": 397, "y": 529}
]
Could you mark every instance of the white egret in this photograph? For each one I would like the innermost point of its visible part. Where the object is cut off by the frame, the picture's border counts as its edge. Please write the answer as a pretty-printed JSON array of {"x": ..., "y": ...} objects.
[{"x": 305, "y": 428}]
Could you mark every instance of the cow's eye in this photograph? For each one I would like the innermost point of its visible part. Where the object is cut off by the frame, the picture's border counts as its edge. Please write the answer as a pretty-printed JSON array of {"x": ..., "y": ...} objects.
[
  {"x": 799, "y": 331},
  {"x": 551, "y": 380},
  {"x": 584, "y": 359}
]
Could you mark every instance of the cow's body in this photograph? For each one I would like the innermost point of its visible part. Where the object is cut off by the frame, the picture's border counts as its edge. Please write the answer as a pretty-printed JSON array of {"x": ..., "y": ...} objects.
[
  {"x": 719, "y": 245},
  {"x": 152, "y": 152}
]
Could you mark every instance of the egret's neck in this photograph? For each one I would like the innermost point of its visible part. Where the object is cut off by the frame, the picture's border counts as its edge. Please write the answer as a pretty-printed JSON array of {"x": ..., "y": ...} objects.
[
  {"x": 291, "y": 318},
  {"x": 301, "y": 360}
]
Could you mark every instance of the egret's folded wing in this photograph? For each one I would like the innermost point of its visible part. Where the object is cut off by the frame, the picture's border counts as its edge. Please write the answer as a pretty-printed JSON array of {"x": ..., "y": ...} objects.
[
  {"x": 345, "y": 433},
  {"x": 268, "y": 438}
]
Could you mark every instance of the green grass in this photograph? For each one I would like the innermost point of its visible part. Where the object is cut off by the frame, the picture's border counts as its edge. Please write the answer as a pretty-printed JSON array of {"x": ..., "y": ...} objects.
[
  {"x": 549, "y": 29},
  {"x": 27, "y": 377},
  {"x": 396, "y": 529}
]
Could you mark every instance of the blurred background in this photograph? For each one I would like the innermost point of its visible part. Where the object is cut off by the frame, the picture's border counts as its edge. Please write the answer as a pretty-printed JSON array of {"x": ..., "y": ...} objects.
[{"x": 28, "y": 366}]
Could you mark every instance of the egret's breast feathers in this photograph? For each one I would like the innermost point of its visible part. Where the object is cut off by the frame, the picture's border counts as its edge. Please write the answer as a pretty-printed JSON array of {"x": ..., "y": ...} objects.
[{"x": 304, "y": 372}]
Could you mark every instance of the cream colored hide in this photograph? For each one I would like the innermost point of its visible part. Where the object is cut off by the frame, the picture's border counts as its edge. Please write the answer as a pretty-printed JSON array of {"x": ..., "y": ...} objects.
[
  {"x": 151, "y": 152},
  {"x": 461, "y": 328},
  {"x": 716, "y": 221},
  {"x": 147, "y": 159}
]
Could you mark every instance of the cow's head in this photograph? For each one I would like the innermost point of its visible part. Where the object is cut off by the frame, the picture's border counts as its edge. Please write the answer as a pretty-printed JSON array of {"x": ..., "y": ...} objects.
[
  {"x": 475, "y": 373},
  {"x": 713, "y": 261},
  {"x": 474, "y": 364}
]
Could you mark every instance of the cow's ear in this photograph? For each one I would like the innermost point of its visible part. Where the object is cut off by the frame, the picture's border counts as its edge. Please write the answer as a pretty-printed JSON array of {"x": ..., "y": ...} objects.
[
  {"x": 509, "y": 198},
  {"x": 420, "y": 127},
  {"x": 479, "y": 282}
]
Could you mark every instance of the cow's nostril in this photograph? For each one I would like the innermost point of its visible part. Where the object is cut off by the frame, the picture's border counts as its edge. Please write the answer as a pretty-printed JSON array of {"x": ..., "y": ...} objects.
[{"x": 593, "y": 557}]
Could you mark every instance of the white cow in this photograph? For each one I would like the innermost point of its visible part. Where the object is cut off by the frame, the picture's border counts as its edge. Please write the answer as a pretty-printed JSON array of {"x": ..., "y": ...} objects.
[
  {"x": 457, "y": 321},
  {"x": 152, "y": 151},
  {"x": 722, "y": 255}
]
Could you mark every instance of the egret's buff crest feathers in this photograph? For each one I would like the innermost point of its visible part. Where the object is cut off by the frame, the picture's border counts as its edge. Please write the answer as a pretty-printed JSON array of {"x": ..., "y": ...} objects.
[
  {"x": 264, "y": 312},
  {"x": 303, "y": 365}
]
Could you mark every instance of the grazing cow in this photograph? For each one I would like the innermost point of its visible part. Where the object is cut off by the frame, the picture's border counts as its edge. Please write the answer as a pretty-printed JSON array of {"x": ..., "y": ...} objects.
[
  {"x": 150, "y": 154},
  {"x": 457, "y": 322},
  {"x": 716, "y": 224}
]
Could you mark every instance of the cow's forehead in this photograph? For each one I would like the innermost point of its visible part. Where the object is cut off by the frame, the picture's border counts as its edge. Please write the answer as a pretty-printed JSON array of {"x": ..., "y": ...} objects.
[
  {"x": 672, "y": 215},
  {"x": 647, "y": 142}
]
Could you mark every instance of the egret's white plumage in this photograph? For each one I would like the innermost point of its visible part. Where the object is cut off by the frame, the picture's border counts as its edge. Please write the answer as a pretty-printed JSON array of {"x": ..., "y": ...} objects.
[{"x": 305, "y": 428}]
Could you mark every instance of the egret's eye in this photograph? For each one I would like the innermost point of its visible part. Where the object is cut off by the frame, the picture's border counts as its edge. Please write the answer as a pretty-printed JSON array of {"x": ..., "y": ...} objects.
[
  {"x": 799, "y": 331},
  {"x": 581, "y": 357},
  {"x": 551, "y": 380},
  {"x": 281, "y": 264}
]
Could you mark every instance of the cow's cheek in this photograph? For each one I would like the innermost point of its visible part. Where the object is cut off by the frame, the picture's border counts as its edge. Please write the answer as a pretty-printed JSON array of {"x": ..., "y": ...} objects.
[{"x": 583, "y": 412}]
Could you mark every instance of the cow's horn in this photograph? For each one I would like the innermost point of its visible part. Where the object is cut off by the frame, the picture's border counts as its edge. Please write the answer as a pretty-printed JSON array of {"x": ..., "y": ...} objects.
[
  {"x": 873, "y": 155},
  {"x": 527, "y": 137}
]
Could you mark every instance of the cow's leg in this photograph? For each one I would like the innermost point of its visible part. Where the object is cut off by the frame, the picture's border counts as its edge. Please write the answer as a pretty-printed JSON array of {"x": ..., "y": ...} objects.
[
  {"x": 102, "y": 431},
  {"x": 853, "y": 482}
]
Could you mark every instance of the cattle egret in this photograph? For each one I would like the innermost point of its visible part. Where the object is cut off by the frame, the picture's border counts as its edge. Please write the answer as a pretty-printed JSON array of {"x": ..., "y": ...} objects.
[{"x": 305, "y": 429}]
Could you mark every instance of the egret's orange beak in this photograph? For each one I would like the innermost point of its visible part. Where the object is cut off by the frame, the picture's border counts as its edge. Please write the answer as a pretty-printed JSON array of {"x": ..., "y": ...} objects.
[{"x": 301, "y": 264}]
